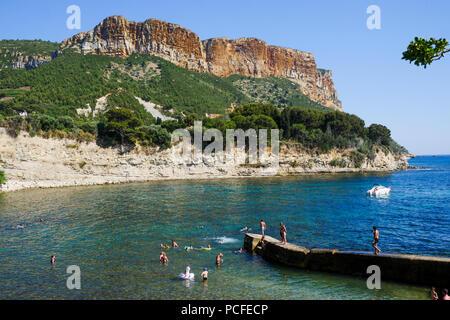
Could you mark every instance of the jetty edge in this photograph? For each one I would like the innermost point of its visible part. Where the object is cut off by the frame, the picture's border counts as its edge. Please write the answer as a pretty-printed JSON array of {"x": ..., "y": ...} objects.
[{"x": 413, "y": 269}]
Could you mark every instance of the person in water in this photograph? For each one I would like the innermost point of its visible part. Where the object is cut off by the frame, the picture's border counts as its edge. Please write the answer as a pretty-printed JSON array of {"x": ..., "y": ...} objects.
[
  {"x": 163, "y": 258},
  {"x": 434, "y": 295},
  {"x": 20, "y": 226},
  {"x": 187, "y": 248},
  {"x": 245, "y": 229},
  {"x": 376, "y": 237},
  {"x": 239, "y": 251},
  {"x": 41, "y": 220},
  {"x": 52, "y": 260},
  {"x": 263, "y": 227},
  {"x": 283, "y": 232},
  {"x": 219, "y": 259},
  {"x": 188, "y": 271},
  {"x": 174, "y": 244},
  {"x": 205, "y": 274}
]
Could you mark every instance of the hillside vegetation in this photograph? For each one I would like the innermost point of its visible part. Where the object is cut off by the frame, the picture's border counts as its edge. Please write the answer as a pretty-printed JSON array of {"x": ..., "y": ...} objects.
[
  {"x": 47, "y": 101},
  {"x": 10, "y": 49}
]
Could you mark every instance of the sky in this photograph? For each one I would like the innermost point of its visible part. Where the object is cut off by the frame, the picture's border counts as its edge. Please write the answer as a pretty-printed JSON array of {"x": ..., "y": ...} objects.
[{"x": 371, "y": 79}]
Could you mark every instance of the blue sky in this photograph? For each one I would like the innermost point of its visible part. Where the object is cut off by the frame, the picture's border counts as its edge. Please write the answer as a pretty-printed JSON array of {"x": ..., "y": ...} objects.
[{"x": 371, "y": 79}]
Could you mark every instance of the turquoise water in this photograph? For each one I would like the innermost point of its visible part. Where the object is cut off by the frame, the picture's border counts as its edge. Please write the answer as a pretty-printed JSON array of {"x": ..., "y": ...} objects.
[{"x": 113, "y": 234}]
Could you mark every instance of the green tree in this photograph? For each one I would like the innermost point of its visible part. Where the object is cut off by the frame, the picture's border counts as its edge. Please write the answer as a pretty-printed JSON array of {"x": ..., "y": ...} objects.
[
  {"x": 380, "y": 134},
  {"x": 120, "y": 128},
  {"x": 423, "y": 52}
]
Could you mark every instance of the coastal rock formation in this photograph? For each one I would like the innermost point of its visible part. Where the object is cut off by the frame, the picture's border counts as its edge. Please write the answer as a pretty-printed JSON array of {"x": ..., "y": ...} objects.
[
  {"x": 37, "y": 162},
  {"x": 118, "y": 37},
  {"x": 31, "y": 62}
]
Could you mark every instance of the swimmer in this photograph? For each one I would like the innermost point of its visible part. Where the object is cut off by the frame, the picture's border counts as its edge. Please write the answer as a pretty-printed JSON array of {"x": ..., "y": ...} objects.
[
  {"x": 239, "y": 251},
  {"x": 174, "y": 244},
  {"x": 245, "y": 229},
  {"x": 218, "y": 259},
  {"x": 205, "y": 274},
  {"x": 163, "y": 258},
  {"x": 188, "y": 271},
  {"x": 52, "y": 260},
  {"x": 20, "y": 226},
  {"x": 187, "y": 248},
  {"x": 41, "y": 220}
]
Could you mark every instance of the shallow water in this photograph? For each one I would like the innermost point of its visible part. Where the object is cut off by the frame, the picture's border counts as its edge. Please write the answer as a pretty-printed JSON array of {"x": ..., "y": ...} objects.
[{"x": 113, "y": 234}]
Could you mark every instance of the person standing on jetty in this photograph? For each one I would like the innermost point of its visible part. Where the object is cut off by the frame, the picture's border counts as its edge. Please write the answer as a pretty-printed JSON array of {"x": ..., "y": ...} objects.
[
  {"x": 445, "y": 295},
  {"x": 283, "y": 232},
  {"x": 434, "y": 295},
  {"x": 376, "y": 236},
  {"x": 263, "y": 227}
]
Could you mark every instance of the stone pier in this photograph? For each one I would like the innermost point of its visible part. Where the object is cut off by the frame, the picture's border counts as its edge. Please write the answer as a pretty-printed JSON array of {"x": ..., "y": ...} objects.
[{"x": 414, "y": 269}]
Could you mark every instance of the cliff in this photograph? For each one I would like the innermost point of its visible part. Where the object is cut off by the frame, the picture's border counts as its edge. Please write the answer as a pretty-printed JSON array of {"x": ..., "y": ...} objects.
[
  {"x": 118, "y": 37},
  {"x": 26, "y": 54},
  {"x": 36, "y": 162},
  {"x": 31, "y": 62}
]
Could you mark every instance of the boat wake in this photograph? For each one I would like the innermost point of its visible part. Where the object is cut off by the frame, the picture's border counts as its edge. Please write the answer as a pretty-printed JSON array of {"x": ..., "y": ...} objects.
[{"x": 224, "y": 239}]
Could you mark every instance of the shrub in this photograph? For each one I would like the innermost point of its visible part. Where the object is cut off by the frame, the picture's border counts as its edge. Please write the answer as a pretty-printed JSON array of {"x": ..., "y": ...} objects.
[
  {"x": 357, "y": 158},
  {"x": 2, "y": 177},
  {"x": 338, "y": 162},
  {"x": 157, "y": 135}
]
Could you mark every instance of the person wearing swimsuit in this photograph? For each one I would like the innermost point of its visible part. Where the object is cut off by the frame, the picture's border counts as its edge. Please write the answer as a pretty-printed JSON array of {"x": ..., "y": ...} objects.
[
  {"x": 283, "y": 232},
  {"x": 263, "y": 227},
  {"x": 205, "y": 274},
  {"x": 376, "y": 236}
]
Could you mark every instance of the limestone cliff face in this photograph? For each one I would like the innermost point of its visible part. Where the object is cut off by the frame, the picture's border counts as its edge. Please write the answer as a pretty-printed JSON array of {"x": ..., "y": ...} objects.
[
  {"x": 115, "y": 36},
  {"x": 36, "y": 162},
  {"x": 30, "y": 62}
]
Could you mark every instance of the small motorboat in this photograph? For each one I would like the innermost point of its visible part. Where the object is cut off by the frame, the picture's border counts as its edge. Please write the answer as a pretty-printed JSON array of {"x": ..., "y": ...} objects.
[{"x": 378, "y": 190}]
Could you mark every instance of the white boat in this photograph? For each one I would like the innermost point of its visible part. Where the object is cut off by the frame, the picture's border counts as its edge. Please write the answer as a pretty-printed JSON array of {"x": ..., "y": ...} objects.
[{"x": 378, "y": 190}]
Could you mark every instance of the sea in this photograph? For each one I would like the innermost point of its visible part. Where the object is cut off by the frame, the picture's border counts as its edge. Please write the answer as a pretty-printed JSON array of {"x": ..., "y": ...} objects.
[{"x": 113, "y": 233}]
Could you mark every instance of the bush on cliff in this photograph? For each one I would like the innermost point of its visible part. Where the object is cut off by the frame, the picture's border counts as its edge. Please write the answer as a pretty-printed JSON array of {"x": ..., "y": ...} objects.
[
  {"x": 2, "y": 177},
  {"x": 155, "y": 135}
]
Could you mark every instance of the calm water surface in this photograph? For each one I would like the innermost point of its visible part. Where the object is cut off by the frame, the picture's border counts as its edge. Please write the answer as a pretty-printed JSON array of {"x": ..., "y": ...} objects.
[{"x": 113, "y": 234}]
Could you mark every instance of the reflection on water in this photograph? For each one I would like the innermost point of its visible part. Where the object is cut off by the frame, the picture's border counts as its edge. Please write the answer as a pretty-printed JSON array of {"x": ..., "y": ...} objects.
[{"x": 114, "y": 232}]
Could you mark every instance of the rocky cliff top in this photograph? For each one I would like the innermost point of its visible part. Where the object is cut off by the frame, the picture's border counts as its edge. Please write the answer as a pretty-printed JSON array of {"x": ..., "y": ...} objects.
[{"x": 118, "y": 37}]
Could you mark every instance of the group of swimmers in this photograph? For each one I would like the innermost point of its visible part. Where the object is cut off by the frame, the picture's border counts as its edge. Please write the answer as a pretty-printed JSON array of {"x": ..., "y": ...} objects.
[
  {"x": 204, "y": 274},
  {"x": 22, "y": 226},
  {"x": 163, "y": 259}
]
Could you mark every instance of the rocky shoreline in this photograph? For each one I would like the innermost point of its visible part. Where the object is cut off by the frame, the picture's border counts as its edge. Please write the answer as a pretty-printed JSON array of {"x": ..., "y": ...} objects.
[{"x": 36, "y": 162}]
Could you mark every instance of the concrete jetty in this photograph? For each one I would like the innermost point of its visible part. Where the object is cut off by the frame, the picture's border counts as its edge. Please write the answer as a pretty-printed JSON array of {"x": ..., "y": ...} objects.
[{"x": 414, "y": 269}]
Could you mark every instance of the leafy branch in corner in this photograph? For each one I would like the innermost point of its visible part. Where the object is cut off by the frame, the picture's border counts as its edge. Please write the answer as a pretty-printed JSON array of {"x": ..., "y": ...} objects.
[{"x": 424, "y": 52}]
